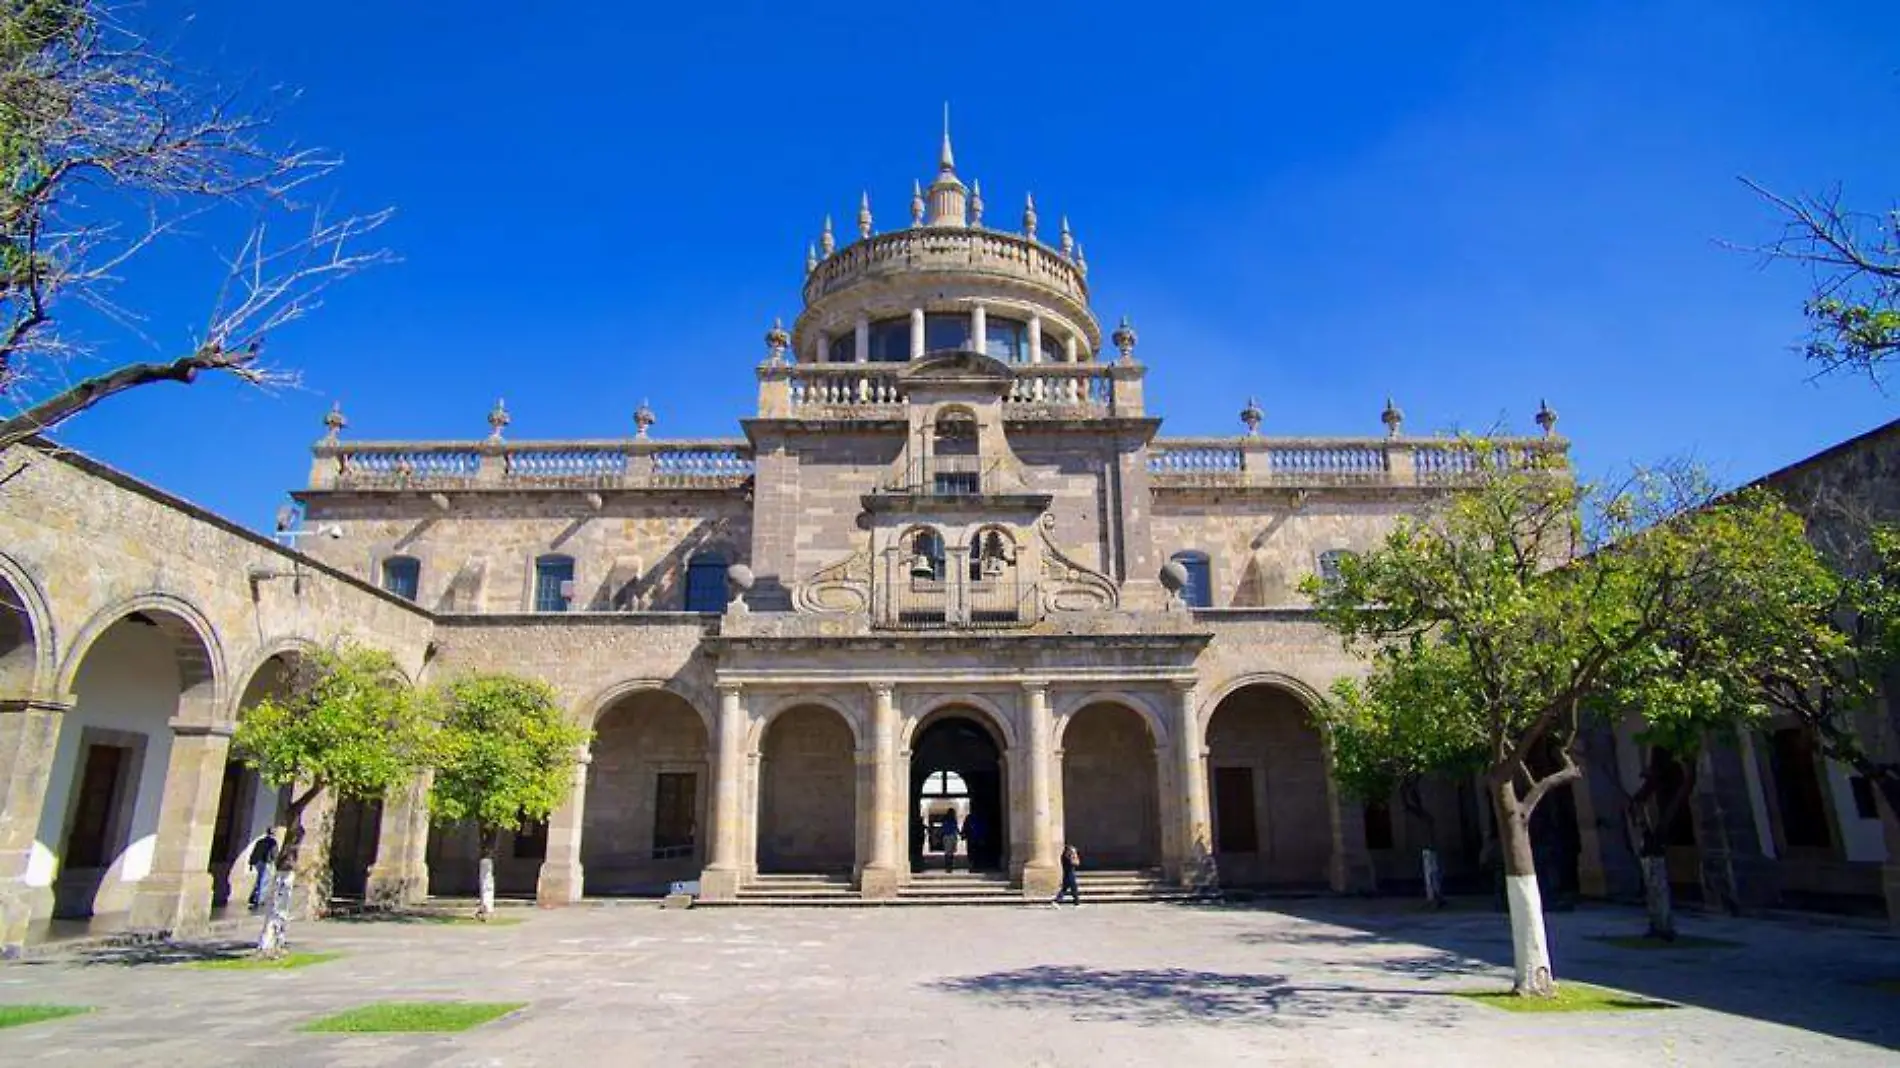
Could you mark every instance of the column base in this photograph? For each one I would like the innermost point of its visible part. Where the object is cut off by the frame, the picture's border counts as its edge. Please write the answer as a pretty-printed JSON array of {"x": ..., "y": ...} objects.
[
  {"x": 394, "y": 888},
  {"x": 719, "y": 884},
  {"x": 1040, "y": 881},
  {"x": 558, "y": 885},
  {"x": 877, "y": 883},
  {"x": 173, "y": 904},
  {"x": 17, "y": 911},
  {"x": 1353, "y": 875}
]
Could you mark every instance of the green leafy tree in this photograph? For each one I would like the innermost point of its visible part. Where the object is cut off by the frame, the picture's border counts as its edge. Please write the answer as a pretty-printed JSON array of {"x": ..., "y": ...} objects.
[
  {"x": 1494, "y": 623},
  {"x": 504, "y": 756},
  {"x": 348, "y": 726},
  {"x": 1853, "y": 309}
]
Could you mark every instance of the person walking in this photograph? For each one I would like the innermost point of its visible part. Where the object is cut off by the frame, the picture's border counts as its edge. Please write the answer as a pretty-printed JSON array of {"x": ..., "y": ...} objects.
[
  {"x": 263, "y": 855},
  {"x": 1071, "y": 860},
  {"x": 976, "y": 842},
  {"x": 949, "y": 841}
]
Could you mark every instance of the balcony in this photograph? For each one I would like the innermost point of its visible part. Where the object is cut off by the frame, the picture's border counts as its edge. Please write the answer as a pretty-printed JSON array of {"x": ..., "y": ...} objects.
[
  {"x": 876, "y": 391},
  {"x": 1322, "y": 463}
]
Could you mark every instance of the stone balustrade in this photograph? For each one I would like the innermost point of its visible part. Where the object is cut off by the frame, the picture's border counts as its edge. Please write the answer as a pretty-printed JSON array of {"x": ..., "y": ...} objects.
[
  {"x": 1323, "y": 462},
  {"x": 860, "y": 389},
  {"x": 444, "y": 465},
  {"x": 876, "y": 391},
  {"x": 954, "y": 249}
]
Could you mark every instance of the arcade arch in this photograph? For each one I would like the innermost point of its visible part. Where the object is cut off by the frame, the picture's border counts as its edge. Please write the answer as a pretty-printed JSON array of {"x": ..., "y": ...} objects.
[
  {"x": 1111, "y": 795},
  {"x": 1267, "y": 788},
  {"x": 807, "y": 799},
  {"x": 959, "y": 743},
  {"x": 646, "y": 822}
]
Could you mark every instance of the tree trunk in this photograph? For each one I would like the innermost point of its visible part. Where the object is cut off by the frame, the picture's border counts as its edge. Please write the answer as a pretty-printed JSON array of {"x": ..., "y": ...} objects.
[
  {"x": 1413, "y": 802},
  {"x": 1530, "y": 948},
  {"x": 272, "y": 940},
  {"x": 490, "y": 838},
  {"x": 1434, "y": 877},
  {"x": 1656, "y": 899}
]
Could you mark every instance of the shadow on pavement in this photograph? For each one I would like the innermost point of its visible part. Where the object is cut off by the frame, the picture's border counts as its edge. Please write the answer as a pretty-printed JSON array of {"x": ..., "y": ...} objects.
[{"x": 161, "y": 953}]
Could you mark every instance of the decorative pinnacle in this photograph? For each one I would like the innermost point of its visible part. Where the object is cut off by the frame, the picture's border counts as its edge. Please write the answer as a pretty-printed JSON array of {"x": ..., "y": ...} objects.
[
  {"x": 811, "y": 259},
  {"x": 776, "y": 342},
  {"x": 1392, "y": 417},
  {"x": 1124, "y": 339},
  {"x": 333, "y": 421},
  {"x": 1250, "y": 417},
  {"x": 643, "y": 418},
  {"x": 947, "y": 162},
  {"x": 497, "y": 418},
  {"x": 1081, "y": 260},
  {"x": 1029, "y": 216},
  {"x": 916, "y": 202},
  {"x": 864, "y": 215},
  {"x": 827, "y": 243},
  {"x": 976, "y": 203},
  {"x": 1547, "y": 419},
  {"x": 1068, "y": 239}
]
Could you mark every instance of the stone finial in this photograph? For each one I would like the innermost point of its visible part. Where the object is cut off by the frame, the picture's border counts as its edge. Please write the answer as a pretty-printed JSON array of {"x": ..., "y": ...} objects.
[
  {"x": 1068, "y": 239},
  {"x": 976, "y": 203},
  {"x": 1546, "y": 419},
  {"x": 827, "y": 243},
  {"x": 811, "y": 259},
  {"x": 864, "y": 215},
  {"x": 497, "y": 419},
  {"x": 1029, "y": 216},
  {"x": 643, "y": 420},
  {"x": 947, "y": 161},
  {"x": 1250, "y": 417},
  {"x": 333, "y": 422},
  {"x": 1124, "y": 338},
  {"x": 776, "y": 342},
  {"x": 916, "y": 202},
  {"x": 1393, "y": 418},
  {"x": 1081, "y": 259}
]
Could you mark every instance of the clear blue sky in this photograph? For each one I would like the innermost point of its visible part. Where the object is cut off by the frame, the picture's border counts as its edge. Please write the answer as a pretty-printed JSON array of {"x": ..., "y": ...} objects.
[{"x": 1466, "y": 206}]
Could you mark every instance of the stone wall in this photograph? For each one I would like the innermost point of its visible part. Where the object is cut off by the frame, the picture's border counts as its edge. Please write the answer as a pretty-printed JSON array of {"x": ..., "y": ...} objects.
[
  {"x": 807, "y": 793},
  {"x": 1269, "y": 733},
  {"x": 1111, "y": 803},
  {"x": 1260, "y": 548},
  {"x": 636, "y": 741}
]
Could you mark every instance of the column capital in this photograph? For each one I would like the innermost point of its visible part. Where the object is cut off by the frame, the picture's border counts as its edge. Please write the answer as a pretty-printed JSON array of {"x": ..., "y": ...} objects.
[
  {"x": 199, "y": 729},
  {"x": 58, "y": 704},
  {"x": 882, "y": 689},
  {"x": 729, "y": 689},
  {"x": 1183, "y": 686},
  {"x": 1034, "y": 687}
]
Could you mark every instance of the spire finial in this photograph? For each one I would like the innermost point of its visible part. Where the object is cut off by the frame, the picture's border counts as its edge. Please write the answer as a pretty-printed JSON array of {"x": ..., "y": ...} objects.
[
  {"x": 827, "y": 243},
  {"x": 1068, "y": 239},
  {"x": 1029, "y": 216},
  {"x": 916, "y": 202},
  {"x": 497, "y": 418},
  {"x": 976, "y": 203},
  {"x": 333, "y": 421},
  {"x": 1393, "y": 418},
  {"x": 1250, "y": 417},
  {"x": 1547, "y": 419},
  {"x": 811, "y": 258},
  {"x": 643, "y": 418},
  {"x": 1124, "y": 339},
  {"x": 777, "y": 341},
  {"x": 864, "y": 214},
  {"x": 948, "y": 161}
]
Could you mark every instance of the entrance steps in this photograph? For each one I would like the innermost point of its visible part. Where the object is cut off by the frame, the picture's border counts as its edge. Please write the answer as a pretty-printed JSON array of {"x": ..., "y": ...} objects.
[{"x": 962, "y": 888}]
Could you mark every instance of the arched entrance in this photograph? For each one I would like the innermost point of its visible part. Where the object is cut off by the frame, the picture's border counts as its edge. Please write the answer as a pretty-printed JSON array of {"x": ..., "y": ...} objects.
[
  {"x": 1111, "y": 801},
  {"x": 102, "y": 808},
  {"x": 954, "y": 747},
  {"x": 807, "y": 816},
  {"x": 246, "y": 807},
  {"x": 19, "y": 642},
  {"x": 1268, "y": 792},
  {"x": 645, "y": 823}
]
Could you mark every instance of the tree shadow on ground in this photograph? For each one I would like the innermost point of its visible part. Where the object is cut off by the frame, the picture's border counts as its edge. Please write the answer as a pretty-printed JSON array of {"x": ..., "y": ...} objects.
[
  {"x": 146, "y": 954},
  {"x": 1151, "y": 997},
  {"x": 1819, "y": 980}
]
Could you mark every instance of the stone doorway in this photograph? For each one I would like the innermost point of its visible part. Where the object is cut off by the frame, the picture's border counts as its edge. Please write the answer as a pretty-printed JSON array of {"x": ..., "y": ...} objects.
[
  {"x": 807, "y": 794},
  {"x": 958, "y": 750}
]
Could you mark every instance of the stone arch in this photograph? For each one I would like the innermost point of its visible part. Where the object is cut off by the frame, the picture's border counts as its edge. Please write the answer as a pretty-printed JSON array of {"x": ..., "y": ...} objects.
[
  {"x": 200, "y": 656},
  {"x": 998, "y": 722},
  {"x": 647, "y": 820},
  {"x": 762, "y": 721},
  {"x": 1067, "y": 707},
  {"x": 244, "y": 682},
  {"x": 588, "y": 712},
  {"x": 27, "y": 645},
  {"x": 1299, "y": 688},
  {"x": 1111, "y": 783},
  {"x": 808, "y": 788},
  {"x": 969, "y": 736},
  {"x": 1269, "y": 790},
  {"x": 247, "y": 808}
]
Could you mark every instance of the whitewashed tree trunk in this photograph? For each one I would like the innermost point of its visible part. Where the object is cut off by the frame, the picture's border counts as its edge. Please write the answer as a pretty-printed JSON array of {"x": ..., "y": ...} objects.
[
  {"x": 1530, "y": 948},
  {"x": 1656, "y": 898},
  {"x": 275, "y": 935},
  {"x": 487, "y": 887},
  {"x": 1434, "y": 877}
]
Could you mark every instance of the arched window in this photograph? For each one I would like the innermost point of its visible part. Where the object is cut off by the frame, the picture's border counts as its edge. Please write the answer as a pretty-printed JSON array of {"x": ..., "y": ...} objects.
[
  {"x": 926, "y": 556},
  {"x": 1329, "y": 562},
  {"x": 553, "y": 582},
  {"x": 402, "y": 576},
  {"x": 844, "y": 349},
  {"x": 1006, "y": 340},
  {"x": 890, "y": 341},
  {"x": 1053, "y": 348},
  {"x": 990, "y": 555},
  {"x": 946, "y": 330},
  {"x": 1198, "y": 592},
  {"x": 706, "y": 583}
]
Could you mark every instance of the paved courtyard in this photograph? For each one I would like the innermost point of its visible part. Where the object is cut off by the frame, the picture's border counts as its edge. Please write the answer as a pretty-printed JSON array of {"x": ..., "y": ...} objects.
[{"x": 1307, "y": 983}]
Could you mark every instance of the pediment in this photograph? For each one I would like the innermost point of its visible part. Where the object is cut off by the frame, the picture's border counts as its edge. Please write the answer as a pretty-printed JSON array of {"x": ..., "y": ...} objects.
[{"x": 956, "y": 365}]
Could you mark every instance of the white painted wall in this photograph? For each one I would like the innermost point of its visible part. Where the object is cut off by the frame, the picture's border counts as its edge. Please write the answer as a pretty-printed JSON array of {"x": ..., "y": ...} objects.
[
  {"x": 1861, "y": 839},
  {"x": 128, "y": 682}
]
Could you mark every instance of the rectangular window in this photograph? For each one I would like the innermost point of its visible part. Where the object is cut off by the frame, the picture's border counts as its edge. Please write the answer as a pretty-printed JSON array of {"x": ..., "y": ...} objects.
[
  {"x": 1329, "y": 565},
  {"x": 1234, "y": 822},
  {"x": 550, "y": 574},
  {"x": 956, "y": 483},
  {"x": 402, "y": 576},
  {"x": 86, "y": 843},
  {"x": 706, "y": 584},
  {"x": 1197, "y": 591},
  {"x": 674, "y": 827},
  {"x": 949, "y": 331},
  {"x": 1798, "y": 790},
  {"x": 1864, "y": 805},
  {"x": 1006, "y": 340},
  {"x": 1378, "y": 825},
  {"x": 890, "y": 341},
  {"x": 1053, "y": 349},
  {"x": 531, "y": 842}
]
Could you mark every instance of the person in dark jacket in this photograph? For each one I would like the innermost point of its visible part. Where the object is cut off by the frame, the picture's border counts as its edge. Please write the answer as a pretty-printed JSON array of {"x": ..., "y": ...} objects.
[
  {"x": 263, "y": 855},
  {"x": 949, "y": 841},
  {"x": 1071, "y": 860}
]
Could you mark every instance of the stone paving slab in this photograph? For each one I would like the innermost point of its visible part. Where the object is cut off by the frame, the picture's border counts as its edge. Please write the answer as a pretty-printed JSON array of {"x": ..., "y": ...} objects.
[{"x": 1317, "y": 983}]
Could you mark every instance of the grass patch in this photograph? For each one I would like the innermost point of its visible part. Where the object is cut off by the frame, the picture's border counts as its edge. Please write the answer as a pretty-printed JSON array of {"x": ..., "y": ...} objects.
[
  {"x": 246, "y": 964},
  {"x": 1571, "y": 997},
  {"x": 20, "y": 1015},
  {"x": 396, "y": 1016},
  {"x": 1681, "y": 942}
]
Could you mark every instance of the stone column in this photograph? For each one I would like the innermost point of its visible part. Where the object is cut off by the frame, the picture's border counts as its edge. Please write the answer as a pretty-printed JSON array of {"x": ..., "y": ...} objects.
[
  {"x": 1041, "y": 875},
  {"x": 399, "y": 877},
  {"x": 916, "y": 332},
  {"x": 887, "y": 818},
  {"x": 1197, "y": 836},
  {"x": 720, "y": 882},
  {"x": 1736, "y": 877},
  {"x": 560, "y": 882},
  {"x": 1035, "y": 339},
  {"x": 29, "y": 739},
  {"x": 1071, "y": 349},
  {"x": 175, "y": 897},
  {"x": 979, "y": 329},
  {"x": 861, "y": 340}
]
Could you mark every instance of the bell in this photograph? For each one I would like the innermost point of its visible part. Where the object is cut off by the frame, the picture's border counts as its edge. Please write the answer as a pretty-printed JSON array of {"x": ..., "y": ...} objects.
[{"x": 921, "y": 567}]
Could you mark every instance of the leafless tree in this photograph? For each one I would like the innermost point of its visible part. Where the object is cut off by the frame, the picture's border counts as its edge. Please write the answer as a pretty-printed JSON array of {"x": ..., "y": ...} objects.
[
  {"x": 1853, "y": 308},
  {"x": 108, "y": 147}
]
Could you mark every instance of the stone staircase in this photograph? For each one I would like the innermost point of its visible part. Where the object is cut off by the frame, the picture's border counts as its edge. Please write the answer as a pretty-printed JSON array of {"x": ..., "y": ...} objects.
[{"x": 938, "y": 888}]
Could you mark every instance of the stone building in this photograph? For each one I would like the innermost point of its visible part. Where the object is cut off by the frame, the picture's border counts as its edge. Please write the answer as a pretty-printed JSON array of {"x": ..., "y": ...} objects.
[{"x": 949, "y": 564}]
